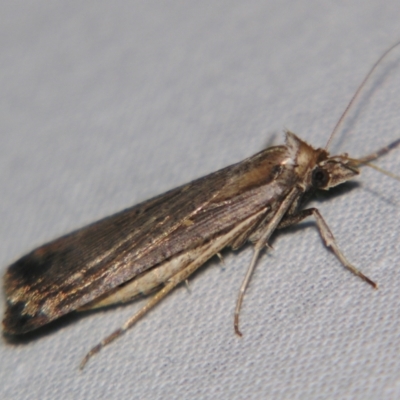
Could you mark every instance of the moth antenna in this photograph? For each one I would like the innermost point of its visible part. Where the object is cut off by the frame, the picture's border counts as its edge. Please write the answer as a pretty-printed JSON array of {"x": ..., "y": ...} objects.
[
  {"x": 383, "y": 171},
  {"x": 366, "y": 160},
  {"x": 357, "y": 93},
  {"x": 377, "y": 154}
]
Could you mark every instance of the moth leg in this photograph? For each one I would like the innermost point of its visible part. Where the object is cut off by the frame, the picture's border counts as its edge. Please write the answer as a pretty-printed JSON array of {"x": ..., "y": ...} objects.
[
  {"x": 174, "y": 281},
  {"x": 327, "y": 237},
  {"x": 295, "y": 219},
  {"x": 209, "y": 251},
  {"x": 261, "y": 243}
]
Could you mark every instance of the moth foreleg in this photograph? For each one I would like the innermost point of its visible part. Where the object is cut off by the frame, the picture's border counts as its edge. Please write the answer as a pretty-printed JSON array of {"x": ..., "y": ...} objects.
[
  {"x": 262, "y": 241},
  {"x": 327, "y": 237}
]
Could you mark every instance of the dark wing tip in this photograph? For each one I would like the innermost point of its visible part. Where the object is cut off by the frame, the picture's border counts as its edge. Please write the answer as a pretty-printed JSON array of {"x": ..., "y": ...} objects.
[
  {"x": 15, "y": 322},
  {"x": 19, "y": 285},
  {"x": 27, "y": 271}
]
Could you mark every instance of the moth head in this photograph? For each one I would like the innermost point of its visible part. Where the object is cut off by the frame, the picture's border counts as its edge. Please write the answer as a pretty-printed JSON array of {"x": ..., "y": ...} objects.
[
  {"x": 315, "y": 168},
  {"x": 333, "y": 171}
]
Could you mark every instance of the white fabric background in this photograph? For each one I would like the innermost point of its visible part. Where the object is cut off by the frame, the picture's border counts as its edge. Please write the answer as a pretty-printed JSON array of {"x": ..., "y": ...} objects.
[{"x": 105, "y": 104}]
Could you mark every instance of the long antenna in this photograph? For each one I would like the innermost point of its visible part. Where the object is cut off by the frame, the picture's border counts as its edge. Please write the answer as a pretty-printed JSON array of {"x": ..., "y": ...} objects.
[{"x": 358, "y": 91}]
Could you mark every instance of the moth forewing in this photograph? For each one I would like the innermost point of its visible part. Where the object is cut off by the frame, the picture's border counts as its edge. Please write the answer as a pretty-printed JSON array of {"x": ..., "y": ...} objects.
[{"x": 70, "y": 272}]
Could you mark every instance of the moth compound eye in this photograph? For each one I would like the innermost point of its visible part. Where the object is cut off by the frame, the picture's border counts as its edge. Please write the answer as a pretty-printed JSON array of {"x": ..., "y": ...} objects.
[{"x": 320, "y": 178}]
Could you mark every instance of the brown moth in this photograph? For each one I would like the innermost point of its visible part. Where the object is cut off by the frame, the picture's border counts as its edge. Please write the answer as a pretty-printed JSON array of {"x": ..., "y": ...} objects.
[{"x": 159, "y": 243}]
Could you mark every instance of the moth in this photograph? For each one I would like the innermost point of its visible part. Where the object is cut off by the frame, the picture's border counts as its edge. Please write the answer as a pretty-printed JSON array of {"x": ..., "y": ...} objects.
[{"x": 157, "y": 244}]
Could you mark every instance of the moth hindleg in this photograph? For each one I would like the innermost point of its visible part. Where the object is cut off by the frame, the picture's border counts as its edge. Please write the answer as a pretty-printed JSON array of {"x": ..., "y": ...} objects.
[{"x": 209, "y": 251}]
